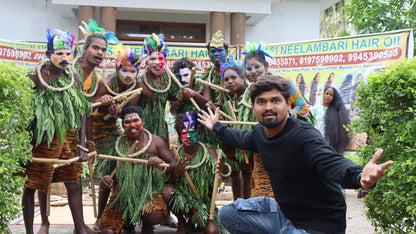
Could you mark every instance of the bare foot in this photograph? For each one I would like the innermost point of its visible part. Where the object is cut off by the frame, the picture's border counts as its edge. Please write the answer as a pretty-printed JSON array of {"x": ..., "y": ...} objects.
[
  {"x": 169, "y": 221},
  {"x": 44, "y": 228},
  {"x": 95, "y": 226},
  {"x": 86, "y": 230}
]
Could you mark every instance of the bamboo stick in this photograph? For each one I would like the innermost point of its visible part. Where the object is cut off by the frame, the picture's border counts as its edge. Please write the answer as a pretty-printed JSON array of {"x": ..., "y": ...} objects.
[
  {"x": 237, "y": 127},
  {"x": 120, "y": 96},
  {"x": 220, "y": 111},
  {"x": 138, "y": 91},
  {"x": 133, "y": 160},
  {"x": 69, "y": 161},
  {"x": 214, "y": 189},
  {"x": 94, "y": 200},
  {"x": 238, "y": 122},
  {"x": 217, "y": 87},
  {"x": 188, "y": 178}
]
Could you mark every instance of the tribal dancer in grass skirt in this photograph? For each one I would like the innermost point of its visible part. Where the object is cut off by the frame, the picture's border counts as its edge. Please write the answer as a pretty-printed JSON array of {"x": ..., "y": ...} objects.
[
  {"x": 256, "y": 65},
  {"x": 137, "y": 187},
  {"x": 59, "y": 105},
  {"x": 158, "y": 86},
  {"x": 94, "y": 50},
  {"x": 182, "y": 199}
]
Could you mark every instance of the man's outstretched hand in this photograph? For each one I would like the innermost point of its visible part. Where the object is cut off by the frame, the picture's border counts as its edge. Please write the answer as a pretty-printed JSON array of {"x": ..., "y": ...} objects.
[
  {"x": 209, "y": 119},
  {"x": 372, "y": 172}
]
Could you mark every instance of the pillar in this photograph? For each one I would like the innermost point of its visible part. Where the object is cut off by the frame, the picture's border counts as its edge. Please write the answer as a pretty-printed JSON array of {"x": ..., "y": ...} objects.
[
  {"x": 218, "y": 22},
  {"x": 84, "y": 14},
  {"x": 108, "y": 18},
  {"x": 238, "y": 28}
]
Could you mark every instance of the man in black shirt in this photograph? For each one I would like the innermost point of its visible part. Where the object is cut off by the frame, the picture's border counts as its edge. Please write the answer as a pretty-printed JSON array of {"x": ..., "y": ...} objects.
[{"x": 304, "y": 170}]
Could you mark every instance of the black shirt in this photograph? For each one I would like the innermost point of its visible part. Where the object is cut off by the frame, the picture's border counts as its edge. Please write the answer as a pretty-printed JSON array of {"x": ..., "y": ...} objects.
[{"x": 304, "y": 173}]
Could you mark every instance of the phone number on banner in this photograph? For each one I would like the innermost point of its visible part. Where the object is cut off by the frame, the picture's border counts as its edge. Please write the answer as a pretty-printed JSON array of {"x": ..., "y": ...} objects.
[
  {"x": 356, "y": 57},
  {"x": 21, "y": 55}
]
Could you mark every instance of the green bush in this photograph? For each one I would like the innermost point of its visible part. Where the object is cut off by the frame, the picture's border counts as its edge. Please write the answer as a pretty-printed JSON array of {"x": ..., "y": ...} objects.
[
  {"x": 15, "y": 116},
  {"x": 388, "y": 115}
]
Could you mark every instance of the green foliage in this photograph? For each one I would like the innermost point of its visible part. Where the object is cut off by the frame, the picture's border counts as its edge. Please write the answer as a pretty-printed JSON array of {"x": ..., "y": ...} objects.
[
  {"x": 15, "y": 116},
  {"x": 372, "y": 16},
  {"x": 388, "y": 115}
]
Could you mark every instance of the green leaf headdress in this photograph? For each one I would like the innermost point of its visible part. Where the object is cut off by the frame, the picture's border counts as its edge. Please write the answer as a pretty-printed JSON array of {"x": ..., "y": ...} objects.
[{"x": 155, "y": 43}]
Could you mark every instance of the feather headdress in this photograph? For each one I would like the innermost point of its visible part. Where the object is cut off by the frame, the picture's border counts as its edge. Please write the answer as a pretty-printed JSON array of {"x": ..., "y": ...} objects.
[
  {"x": 92, "y": 28},
  {"x": 252, "y": 47},
  {"x": 58, "y": 39},
  {"x": 225, "y": 65},
  {"x": 155, "y": 43},
  {"x": 124, "y": 56},
  {"x": 189, "y": 120},
  {"x": 217, "y": 39}
]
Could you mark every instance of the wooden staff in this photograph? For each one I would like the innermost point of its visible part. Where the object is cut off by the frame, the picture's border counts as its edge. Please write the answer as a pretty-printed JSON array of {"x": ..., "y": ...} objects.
[
  {"x": 133, "y": 160},
  {"x": 238, "y": 122},
  {"x": 173, "y": 77},
  {"x": 125, "y": 156},
  {"x": 62, "y": 162},
  {"x": 214, "y": 190},
  {"x": 217, "y": 87},
  {"x": 120, "y": 96},
  {"x": 236, "y": 126},
  {"x": 94, "y": 200},
  {"x": 188, "y": 178},
  {"x": 191, "y": 79},
  {"x": 138, "y": 91},
  {"x": 213, "y": 107}
]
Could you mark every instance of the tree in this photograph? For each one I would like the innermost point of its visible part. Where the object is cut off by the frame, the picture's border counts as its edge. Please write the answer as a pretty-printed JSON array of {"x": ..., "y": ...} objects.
[
  {"x": 372, "y": 16},
  {"x": 15, "y": 117},
  {"x": 388, "y": 115}
]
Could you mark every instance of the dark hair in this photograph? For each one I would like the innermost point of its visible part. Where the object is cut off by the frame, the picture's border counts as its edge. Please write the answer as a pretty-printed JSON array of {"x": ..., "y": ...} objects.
[
  {"x": 328, "y": 81},
  {"x": 182, "y": 63},
  {"x": 267, "y": 83},
  {"x": 181, "y": 118},
  {"x": 257, "y": 55},
  {"x": 89, "y": 39},
  {"x": 336, "y": 117},
  {"x": 301, "y": 87},
  {"x": 314, "y": 87},
  {"x": 131, "y": 109},
  {"x": 225, "y": 46},
  {"x": 235, "y": 68}
]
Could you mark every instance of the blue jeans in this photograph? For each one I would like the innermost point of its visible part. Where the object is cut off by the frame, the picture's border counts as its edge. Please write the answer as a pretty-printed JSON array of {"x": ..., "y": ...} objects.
[{"x": 256, "y": 215}]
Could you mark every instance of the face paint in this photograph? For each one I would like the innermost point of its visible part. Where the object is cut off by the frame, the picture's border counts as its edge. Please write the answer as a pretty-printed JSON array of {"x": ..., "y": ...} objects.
[
  {"x": 156, "y": 62},
  {"x": 127, "y": 74},
  {"x": 185, "y": 74},
  {"x": 61, "y": 58},
  {"x": 217, "y": 55},
  {"x": 95, "y": 52},
  {"x": 189, "y": 137},
  {"x": 254, "y": 69},
  {"x": 133, "y": 125}
]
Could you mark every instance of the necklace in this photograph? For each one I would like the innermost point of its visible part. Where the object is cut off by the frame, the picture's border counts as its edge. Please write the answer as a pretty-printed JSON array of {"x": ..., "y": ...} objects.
[
  {"x": 41, "y": 64},
  {"x": 203, "y": 159},
  {"x": 154, "y": 89},
  {"x": 144, "y": 149},
  {"x": 94, "y": 78},
  {"x": 115, "y": 82}
]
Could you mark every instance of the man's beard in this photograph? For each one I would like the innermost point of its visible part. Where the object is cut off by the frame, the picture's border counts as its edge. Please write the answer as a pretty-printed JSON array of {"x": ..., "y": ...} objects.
[{"x": 271, "y": 123}]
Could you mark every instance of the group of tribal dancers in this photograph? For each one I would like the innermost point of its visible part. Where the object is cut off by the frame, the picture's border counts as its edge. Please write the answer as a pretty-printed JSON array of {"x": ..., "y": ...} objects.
[{"x": 121, "y": 118}]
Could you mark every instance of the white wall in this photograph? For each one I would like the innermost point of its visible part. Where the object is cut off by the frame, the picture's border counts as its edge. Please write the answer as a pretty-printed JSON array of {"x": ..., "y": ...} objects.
[
  {"x": 27, "y": 20},
  {"x": 296, "y": 21}
]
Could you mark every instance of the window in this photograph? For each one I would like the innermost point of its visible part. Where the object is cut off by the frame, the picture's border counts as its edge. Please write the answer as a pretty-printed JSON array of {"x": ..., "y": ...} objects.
[{"x": 178, "y": 32}]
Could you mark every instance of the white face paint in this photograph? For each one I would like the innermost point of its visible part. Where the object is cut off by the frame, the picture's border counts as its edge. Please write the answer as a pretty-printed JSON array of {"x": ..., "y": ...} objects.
[{"x": 185, "y": 74}]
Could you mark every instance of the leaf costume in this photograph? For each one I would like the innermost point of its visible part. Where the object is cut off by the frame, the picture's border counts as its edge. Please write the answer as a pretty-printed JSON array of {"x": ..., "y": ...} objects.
[
  {"x": 184, "y": 199},
  {"x": 137, "y": 184}
]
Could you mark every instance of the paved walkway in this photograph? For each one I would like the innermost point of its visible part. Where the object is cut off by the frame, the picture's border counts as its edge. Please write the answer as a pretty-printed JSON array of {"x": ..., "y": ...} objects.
[{"x": 61, "y": 220}]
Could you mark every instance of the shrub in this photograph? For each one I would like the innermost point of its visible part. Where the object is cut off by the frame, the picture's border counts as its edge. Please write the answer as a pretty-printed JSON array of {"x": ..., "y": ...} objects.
[
  {"x": 388, "y": 115},
  {"x": 15, "y": 116}
]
